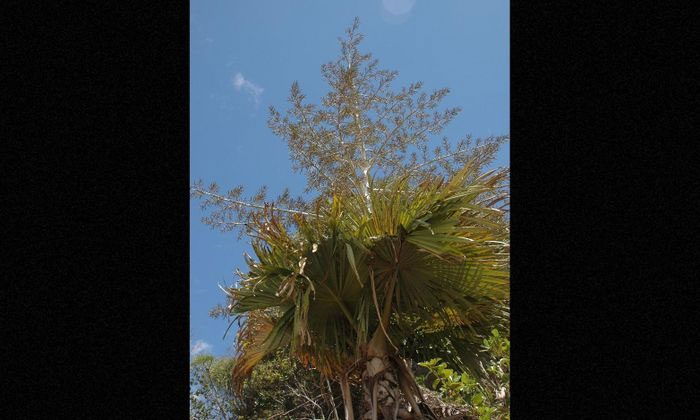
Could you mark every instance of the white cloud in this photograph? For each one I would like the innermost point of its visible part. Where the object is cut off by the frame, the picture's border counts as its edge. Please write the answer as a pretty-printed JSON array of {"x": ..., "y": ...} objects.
[
  {"x": 255, "y": 91},
  {"x": 199, "y": 347}
]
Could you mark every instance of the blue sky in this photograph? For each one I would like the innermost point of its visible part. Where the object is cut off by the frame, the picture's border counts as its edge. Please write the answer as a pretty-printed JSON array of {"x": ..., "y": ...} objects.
[{"x": 244, "y": 56}]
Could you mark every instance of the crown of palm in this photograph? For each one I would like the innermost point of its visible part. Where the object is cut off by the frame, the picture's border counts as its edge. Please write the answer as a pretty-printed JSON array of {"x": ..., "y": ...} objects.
[{"x": 431, "y": 258}]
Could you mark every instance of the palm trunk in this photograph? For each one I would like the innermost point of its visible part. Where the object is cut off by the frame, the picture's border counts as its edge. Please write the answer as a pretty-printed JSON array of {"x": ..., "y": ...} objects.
[
  {"x": 390, "y": 391},
  {"x": 347, "y": 398},
  {"x": 381, "y": 391},
  {"x": 385, "y": 380},
  {"x": 381, "y": 381}
]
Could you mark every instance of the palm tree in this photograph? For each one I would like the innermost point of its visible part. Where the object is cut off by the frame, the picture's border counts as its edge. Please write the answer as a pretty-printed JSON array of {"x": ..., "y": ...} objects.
[
  {"x": 339, "y": 289},
  {"x": 395, "y": 245}
]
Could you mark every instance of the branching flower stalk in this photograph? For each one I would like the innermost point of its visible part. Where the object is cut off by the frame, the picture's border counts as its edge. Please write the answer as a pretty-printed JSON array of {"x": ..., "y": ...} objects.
[{"x": 362, "y": 130}]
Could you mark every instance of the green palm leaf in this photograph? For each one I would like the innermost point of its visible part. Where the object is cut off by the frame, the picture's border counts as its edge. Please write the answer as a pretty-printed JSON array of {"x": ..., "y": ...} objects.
[{"x": 439, "y": 260}]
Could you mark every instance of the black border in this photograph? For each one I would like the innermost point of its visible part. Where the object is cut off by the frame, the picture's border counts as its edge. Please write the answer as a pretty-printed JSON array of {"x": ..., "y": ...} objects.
[
  {"x": 97, "y": 175},
  {"x": 602, "y": 105}
]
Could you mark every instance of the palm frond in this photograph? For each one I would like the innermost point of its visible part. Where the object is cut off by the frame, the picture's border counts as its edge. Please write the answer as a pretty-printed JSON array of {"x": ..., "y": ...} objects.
[{"x": 438, "y": 253}]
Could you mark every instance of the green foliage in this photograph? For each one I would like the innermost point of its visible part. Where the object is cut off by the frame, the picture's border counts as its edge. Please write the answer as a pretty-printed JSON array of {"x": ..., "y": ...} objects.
[
  {"x": 487, "y": 396},
  {"x": 451, "y": 385},
  {"x": 280, "y": 385},
  {"x": 265, "y": 391},
  {"x": 277, "y": 386},
  {"x": 210, "y": 380}
]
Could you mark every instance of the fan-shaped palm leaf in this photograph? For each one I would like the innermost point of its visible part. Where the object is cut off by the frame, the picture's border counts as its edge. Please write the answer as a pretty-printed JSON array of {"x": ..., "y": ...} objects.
[{"x": 431, "y": 257}]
